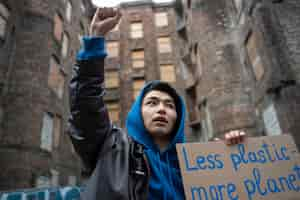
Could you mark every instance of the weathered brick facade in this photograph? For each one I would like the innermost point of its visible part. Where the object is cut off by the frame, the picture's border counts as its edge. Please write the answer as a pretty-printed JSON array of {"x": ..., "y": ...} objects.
[
  {"x": 140, "y": 12},
  {"x": 246, "y": 58},
  {"x": 27, "y": 98}
]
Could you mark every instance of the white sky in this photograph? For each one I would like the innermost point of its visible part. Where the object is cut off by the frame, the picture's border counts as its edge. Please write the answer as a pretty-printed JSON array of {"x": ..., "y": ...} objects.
[{"x": 112, "y": 3}]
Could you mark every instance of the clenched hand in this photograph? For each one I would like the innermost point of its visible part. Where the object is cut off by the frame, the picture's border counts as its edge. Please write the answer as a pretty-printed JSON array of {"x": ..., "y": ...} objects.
[{"x": 104, "y": 20}]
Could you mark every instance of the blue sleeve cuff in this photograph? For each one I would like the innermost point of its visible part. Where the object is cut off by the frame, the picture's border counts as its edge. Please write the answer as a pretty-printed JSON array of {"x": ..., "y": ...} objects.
[{"x": 92, "y": 47}]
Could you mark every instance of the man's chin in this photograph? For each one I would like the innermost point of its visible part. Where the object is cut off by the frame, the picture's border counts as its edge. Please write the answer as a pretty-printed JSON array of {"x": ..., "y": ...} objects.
[{"x": 160, "y": 131}]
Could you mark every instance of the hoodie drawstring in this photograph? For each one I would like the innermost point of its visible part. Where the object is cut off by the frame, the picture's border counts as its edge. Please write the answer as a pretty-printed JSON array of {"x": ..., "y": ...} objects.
[
  {"x": 170, "y": 173},
  {"x": 161, "y": 171}
]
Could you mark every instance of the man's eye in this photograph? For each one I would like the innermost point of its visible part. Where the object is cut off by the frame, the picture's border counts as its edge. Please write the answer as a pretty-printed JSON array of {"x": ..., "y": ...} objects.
[
  {"x": 171, "y": 106},
  {"x": 151, "y": 103}
]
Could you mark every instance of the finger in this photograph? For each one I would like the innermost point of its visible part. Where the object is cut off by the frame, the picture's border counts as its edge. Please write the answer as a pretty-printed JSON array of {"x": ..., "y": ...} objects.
[
  {"x": 96, "y": 15},
  {"x": 227, "y": 138},
  {"x": 107, "y": 25},
  {"x": 117, "y": 17},
  {"x": 101, "y": 14},
  {"x": 111, "y": 12},
  {"x": 239, "y": 137},
  {"x": 108, "y": 12},
  {"x": 113, "y": 21},
  {"x": 242, "y": 136},
  {"x": 232, "y": 137}
]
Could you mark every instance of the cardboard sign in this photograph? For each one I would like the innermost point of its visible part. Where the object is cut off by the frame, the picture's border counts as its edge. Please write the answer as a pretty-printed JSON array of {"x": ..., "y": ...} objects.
[{"x": 259, "y": 169}]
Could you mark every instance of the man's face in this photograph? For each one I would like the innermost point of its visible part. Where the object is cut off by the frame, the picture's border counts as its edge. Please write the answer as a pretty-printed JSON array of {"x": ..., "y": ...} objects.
[{"x": 159, "y": 114}]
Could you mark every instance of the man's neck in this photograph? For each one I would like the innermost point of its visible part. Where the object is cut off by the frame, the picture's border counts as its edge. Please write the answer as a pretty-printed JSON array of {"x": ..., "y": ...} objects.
[{"x": 162, "y": 143}]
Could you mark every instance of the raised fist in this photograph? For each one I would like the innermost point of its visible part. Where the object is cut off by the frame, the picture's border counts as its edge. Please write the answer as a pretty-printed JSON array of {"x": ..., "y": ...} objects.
[{"x": 104, "y": 20}]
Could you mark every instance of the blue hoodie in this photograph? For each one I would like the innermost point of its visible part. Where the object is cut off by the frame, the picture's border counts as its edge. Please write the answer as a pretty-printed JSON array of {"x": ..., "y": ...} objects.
[{"x": 165, "y": 180}]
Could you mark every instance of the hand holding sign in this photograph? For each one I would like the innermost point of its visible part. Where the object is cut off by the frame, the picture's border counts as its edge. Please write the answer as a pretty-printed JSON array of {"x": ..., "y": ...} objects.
[{"x": 233, "y": 137}]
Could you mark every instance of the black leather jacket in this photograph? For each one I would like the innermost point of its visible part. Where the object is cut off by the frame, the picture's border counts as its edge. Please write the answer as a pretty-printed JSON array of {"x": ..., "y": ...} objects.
[{"x": 116, "y": 163}]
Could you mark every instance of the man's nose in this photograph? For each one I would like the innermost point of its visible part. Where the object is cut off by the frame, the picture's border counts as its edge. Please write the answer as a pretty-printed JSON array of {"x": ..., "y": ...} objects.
[{"x": 161, "y": 108}]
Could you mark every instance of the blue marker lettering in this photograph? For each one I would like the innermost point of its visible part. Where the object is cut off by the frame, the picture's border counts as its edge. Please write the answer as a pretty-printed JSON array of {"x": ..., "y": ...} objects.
[
  {"x": 198, "y": 192},
  {"x": 292, "y": 178},
  {"x": 186, "y": 161},
  {"x": 231, "y": 188},
  {"x": 272, "y": 186}
]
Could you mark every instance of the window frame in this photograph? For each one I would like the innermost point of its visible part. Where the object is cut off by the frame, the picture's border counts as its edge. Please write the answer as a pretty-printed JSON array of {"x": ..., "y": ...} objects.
[
  {"x": 54, "y": 85},
  {"x": 136, "y": 33},
  {"x": 164, "y": 46},
  {"x": 69, "y": 11},
  {"x": 113, "y": 51},
  {"x": 112, "y": 74},
  {"x": 136, "y": 90},
  {"x": 4, "y": 15},
  {"x": 46, "y": 134},
  {"x": 58, "y": 27},
  {"x": 164, "y": 73},
  {"x": 64, "y": 53},
  {"x": 136, "y": 60},
  {"x": 160, "y": 20}
]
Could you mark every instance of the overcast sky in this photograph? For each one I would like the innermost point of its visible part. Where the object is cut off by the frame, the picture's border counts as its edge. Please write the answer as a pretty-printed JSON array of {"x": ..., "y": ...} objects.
[{"x": 116, "y": 2}]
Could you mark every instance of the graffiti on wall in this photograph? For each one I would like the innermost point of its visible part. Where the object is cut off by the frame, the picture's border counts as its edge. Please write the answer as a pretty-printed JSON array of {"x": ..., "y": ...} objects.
[{"x": 65, "y": 193}]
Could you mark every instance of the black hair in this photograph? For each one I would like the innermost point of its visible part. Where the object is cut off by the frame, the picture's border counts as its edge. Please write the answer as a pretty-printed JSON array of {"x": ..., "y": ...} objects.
[{"x": 167, "y": 88}]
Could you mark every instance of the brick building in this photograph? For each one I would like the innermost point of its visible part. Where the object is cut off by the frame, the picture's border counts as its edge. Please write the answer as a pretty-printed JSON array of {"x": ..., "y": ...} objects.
[
  {"x": 240, "y": 62},
  {"x": 38, "y": 42},
  {"x": 141, "y": 48}
]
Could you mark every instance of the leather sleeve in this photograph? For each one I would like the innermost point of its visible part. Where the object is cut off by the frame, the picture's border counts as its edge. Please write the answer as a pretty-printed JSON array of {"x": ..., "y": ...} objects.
[{"x": 89, "y": 124}]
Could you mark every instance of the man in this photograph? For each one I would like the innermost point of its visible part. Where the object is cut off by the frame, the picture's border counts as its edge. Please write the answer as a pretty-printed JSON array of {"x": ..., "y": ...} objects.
[{"x": 140, "y": 163}]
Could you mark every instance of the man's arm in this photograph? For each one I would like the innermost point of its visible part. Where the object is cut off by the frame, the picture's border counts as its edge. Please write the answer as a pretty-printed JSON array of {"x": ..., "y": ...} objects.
[{"x": 89, "y": 120}]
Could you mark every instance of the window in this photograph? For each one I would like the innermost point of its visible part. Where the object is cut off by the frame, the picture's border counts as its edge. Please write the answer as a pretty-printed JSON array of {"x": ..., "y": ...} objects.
[
  {"x": 114, "y": 111},
  {"x": 161, "y": 19},
  {"x": 58, "y": 27},
  {"x": 138, "y": 84},
  {"x": 69, "y": 11},
  {"x": 79, "y": 36},
  {"x": 111, "y": 79},
  {"x": 272, "y": 125},
  {"x": 43, "y": 181},
  {"x": 208, "y": 126},
  {"x": 57, "y": 130},
  {"x": 72, "y": 180},
  {"x": 164, "y": 45},
  {"x": 136, "y": 30},
  {"x": 56, "y": 78},
  {"x": 82, "y": 7},
  {"x": 4, "y": 14},
  {"x": 137, "y": 57},
  {"x": 54, "y": 177},
  {"x": 238, "y": 5},
  {"x": 189, "y": 3},
  {"x": 167, "y": 73},
  {"x": 65, "y": 46},
  {"x": 254, "y": 56},
  {"x": 112, "y": 49},
  {"x": 47, "y": 132}
]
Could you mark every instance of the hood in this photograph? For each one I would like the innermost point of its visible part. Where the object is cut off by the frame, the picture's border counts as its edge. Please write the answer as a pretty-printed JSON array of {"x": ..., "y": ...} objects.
[
  {"x": 165, "y": 179},
  {"x": 135, "y": 125}
]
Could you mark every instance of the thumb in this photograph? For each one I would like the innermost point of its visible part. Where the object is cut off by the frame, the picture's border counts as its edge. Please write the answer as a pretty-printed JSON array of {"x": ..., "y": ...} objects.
[{"x": 117, "y": 17}]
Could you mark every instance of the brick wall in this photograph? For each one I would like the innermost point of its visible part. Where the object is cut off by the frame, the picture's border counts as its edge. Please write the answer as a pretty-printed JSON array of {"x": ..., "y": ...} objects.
[
  {"x": 247, "y": 64},
  {"x": 26, "y": 95}
]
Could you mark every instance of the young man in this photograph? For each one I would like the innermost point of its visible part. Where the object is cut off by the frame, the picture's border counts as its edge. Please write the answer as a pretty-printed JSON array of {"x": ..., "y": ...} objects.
[{"x": 141, "y": 162}]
